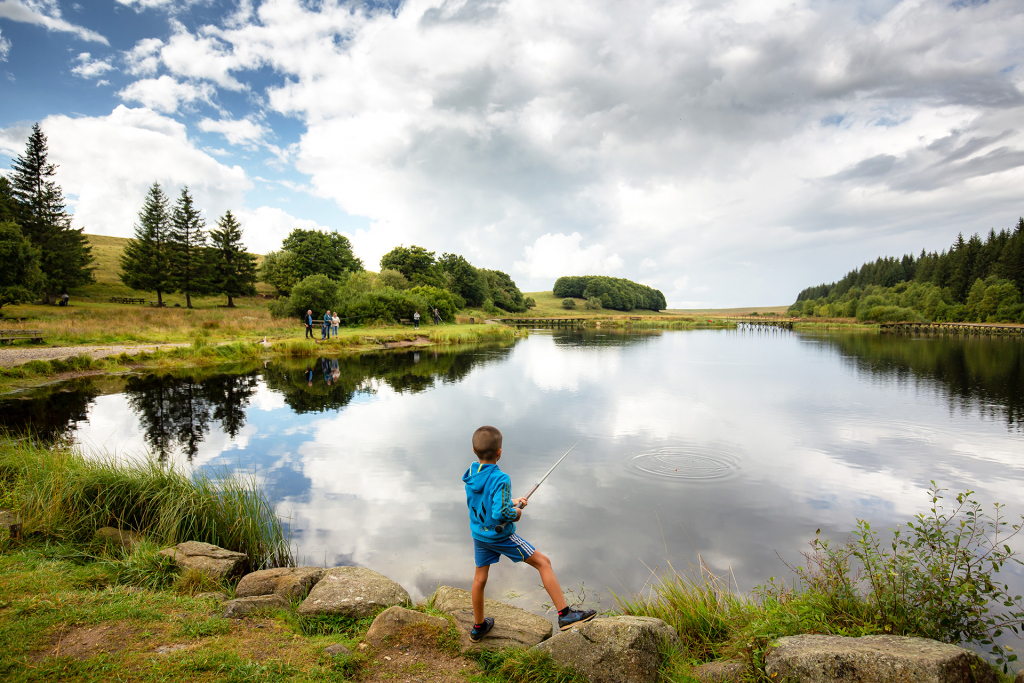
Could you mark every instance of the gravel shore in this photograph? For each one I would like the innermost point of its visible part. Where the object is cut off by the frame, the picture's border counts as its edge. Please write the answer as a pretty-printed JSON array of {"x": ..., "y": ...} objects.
[{"x": 16, "y": 355}]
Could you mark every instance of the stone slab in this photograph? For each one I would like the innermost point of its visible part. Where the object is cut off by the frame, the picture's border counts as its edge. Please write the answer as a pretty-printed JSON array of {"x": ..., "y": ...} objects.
[
  {"x": 513, "y": 627},
  {"x": 213, "y": 560},
  {"x": 288, "y": 582},
  {"x": 354, "y": 592}
]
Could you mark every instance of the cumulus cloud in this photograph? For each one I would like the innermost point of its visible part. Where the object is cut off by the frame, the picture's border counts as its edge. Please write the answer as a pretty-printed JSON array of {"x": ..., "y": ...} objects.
[
  {"x": 236, "y": 132},
  {"x": 266, "y": 227},
  {"x": 106, "y": 165},
  {"x": 554, "y": 255},
  {"x": 87, "y": 67},
  {"x": 144, "y": 58},
  {"x": 45, "y": 13},
  {"x": 166, "y": 94},
  {"x": 5, "y": 48}
]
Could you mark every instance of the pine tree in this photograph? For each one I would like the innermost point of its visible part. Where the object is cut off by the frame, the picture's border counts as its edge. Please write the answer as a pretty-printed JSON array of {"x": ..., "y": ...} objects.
[
  {"x": 234, "y": 268},
  {"x": 144, "y": 263},
  {"x": 65, "y": 254},
  {"x": 188, "y": 263}
]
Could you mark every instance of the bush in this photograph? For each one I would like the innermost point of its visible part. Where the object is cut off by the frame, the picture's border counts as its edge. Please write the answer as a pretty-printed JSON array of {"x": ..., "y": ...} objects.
[
  {"x": 568, "y": 304},
  {"x": 593, "y": 304},
  {"x": 317, "y": 293},
  {"x": 530, "y": 302}
]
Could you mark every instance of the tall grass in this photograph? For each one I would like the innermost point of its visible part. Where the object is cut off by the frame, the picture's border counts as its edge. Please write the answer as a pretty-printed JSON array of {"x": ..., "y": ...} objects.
[{"x": 65, "y": 495}]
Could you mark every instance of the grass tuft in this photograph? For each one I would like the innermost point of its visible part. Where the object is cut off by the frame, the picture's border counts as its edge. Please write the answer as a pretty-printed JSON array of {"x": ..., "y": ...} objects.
[{"x": 516, "y": 665}]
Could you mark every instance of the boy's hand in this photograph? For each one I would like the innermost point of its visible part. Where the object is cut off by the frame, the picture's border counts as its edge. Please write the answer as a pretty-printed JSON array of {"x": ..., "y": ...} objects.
[{"x": 519, "y": 503}]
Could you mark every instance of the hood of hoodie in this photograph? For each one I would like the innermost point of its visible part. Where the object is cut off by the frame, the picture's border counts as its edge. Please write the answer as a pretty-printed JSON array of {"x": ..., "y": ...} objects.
[{"x": 477, "y": 475}]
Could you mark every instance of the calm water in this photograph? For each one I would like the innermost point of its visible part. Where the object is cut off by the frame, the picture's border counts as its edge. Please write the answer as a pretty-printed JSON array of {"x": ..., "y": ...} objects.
[{"x": 731, "y": 445}]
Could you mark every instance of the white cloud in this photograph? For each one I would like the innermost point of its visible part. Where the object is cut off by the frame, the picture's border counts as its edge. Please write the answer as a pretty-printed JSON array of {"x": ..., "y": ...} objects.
[
  {"x": 107, "y": 163},
  {"x": 554, "y": 255},
  {"x": 5, "y": 48},
  {"x": 648, "y": 264},
  {"x": 166, "y": 94},
  {"x": 236, "y": 132},
  {"x": 266, "y": 227},
  {"x": 47, "y": 15},
  {"x": 144, "y": 58},
  {"x": 90, "y": 68}
]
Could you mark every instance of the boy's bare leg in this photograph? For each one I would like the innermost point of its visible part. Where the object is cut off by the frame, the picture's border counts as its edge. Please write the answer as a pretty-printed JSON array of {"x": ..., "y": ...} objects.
[
  {"x": 542, "y": 564},
  {"x": 479, "y": 582}
]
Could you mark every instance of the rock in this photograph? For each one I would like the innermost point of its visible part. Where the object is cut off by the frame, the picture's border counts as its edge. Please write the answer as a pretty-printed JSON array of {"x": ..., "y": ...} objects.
[
  {"x": 240, "y": 607},
  {"x": 288, "y": 582},
  {"x": 1019, "y": 678},
  {"x": 10, "y": 522},
  {"x": 352, "y": 592},
  {"x": 612, "y": 649},
  {"x": 217, "y": 562},
  {"x": 337, "y": 650},
  {"x": 725, "y": 671},
  {"x": 394, "y": 622},
  {"x": 513, "y": 627},
  {"x": 122, "y": 537},
  {"x": 873, "y": 659}
]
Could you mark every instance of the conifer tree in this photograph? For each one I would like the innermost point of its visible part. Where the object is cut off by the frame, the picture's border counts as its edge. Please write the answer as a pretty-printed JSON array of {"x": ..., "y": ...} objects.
[
  {"x": 144, "y": 263},
  {"x": 234, "y": 268},
  {"x": 188, "y": 263},
  {"x": 65, "y": 254}
]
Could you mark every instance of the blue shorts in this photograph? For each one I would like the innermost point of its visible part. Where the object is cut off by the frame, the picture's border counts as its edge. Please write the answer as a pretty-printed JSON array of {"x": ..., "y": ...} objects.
[{"x": 513, "y": 547}]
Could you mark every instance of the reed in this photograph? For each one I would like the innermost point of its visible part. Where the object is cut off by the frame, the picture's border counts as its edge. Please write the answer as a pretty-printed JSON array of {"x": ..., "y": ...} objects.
[{"x": 62, "y": 493}]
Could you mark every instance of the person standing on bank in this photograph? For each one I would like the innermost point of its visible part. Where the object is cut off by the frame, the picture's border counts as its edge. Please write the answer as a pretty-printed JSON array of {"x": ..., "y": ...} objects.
[
  {"x": 416, "y": 320},
  {"x": 309, "y": 325},
  {"x": 325, "y": 333},
  {"x": 335, "y": 321}
]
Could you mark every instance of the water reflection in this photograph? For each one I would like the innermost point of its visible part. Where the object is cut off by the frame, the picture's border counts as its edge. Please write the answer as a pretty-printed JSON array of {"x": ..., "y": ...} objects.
[{"x": 51, "y": 412}]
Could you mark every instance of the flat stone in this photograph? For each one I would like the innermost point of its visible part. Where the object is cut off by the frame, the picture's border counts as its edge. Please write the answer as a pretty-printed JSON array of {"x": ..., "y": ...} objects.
[
  {"x": 11, "y": 523},
  {"x": 337, "y": 650},
  {"x": 122, "y": 537},
  {"x": 240, "y": 607},
  {"x": 212, "y": 595},
  {"x": 613, "y": 649},
  {"x": 874, "y": 659},
  {"x": 288, "y": 582},
  {"x": 395, "y": 622},
  {"x": 513, "y": 627},
  {"x": 352, "y": 592},
  {"x": 213, "y": 560},
  {"x": 725, "y": 671}
]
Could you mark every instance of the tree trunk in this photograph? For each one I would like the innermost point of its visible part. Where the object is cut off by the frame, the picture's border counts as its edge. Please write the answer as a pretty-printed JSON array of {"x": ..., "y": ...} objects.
[
  {"x": 188, "y": 300},
  {"x": 159, "y": 299},
  {"x": 231, "y": 303}
]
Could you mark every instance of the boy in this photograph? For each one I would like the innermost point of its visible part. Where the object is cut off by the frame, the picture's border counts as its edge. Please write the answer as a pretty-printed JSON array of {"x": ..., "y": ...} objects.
[{"x": 492, "y": 516}]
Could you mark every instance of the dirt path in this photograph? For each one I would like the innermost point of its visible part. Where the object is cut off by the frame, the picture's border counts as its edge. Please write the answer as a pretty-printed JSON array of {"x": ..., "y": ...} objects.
[{"x": 10, "y": 356}]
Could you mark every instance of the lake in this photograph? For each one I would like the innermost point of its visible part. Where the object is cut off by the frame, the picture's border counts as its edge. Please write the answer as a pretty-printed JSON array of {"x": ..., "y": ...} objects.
[{"x": 726, "y": 445}]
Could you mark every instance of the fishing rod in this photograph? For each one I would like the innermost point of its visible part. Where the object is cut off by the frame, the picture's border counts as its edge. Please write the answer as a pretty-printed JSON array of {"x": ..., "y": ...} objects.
[{"x": 537, "y": 485}]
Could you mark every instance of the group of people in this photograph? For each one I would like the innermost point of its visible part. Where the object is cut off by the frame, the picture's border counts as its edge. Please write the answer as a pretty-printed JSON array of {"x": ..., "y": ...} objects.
[
  {"x": 435, "y": 314},
  {"x": 328, "y": 326}
]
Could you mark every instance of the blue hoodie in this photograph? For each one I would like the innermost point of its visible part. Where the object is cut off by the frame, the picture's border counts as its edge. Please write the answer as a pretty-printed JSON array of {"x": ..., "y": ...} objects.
[{"x": 489, "y": 497}]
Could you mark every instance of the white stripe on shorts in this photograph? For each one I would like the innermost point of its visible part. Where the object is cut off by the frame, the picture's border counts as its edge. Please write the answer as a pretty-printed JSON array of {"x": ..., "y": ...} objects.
[{"x": 523, "y": 545}]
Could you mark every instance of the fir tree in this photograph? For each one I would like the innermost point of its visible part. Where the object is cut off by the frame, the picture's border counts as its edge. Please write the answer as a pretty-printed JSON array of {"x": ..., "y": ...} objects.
[
  {"x": 234, "y": 268},
  {"x": 144, "y": 263},
  {"x": 188, "y": 263},
  {"x": 65, "y": 254}
]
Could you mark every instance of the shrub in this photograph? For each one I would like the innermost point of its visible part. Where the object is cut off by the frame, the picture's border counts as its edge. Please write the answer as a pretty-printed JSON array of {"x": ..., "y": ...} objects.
[
  {"x": 593, "y": 303},
  {"x": 530, "y": 302},
  {"x": 568, "y": 304},
  {"x": 317, "y": 293}
]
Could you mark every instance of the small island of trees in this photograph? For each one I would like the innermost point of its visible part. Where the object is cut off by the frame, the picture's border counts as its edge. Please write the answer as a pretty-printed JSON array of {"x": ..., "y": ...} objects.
[{"x": 601, "y": 291}]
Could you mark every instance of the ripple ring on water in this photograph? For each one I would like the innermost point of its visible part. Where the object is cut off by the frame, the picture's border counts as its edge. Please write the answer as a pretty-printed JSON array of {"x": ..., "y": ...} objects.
[{"x": 686, "y": 462}]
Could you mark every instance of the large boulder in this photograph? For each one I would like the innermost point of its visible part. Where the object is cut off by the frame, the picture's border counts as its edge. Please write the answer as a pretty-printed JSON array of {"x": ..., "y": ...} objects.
[
  {"x": 513, "y": 627},
  {"x": 613, "y": 649},
  {"x": 239, "y": 607},
  {"x": 873, "y": 659},
  {"x": 212, "y": 560},
  {"x": 352, "y": 592},
  {"x": 288, "y": 582},
  {"x": 396, "y": 622}
]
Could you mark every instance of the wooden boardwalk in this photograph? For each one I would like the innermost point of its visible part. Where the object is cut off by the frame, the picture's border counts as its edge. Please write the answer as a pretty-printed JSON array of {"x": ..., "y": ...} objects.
[
  {"x": 991, "y": 329},
  {"x": 760, "y": 323}
]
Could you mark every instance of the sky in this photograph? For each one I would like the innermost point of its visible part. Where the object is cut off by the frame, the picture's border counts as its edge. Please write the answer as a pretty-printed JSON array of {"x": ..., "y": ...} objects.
[{"x": 729, "y": 153}]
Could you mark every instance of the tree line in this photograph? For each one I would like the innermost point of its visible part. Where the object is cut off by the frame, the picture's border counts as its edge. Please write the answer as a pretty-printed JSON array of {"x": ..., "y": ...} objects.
[
  {"x": 172, "y": 252},
  {"x": 317, "y": 271},
  {"x": 610, "y": 292},
  {"x": 41, "y": 253},
  {"x": 975, "y": 280}
]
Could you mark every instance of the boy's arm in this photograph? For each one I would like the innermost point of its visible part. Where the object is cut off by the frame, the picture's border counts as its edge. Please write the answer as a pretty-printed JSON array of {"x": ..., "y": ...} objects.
[{"x": 501, "y": 505}]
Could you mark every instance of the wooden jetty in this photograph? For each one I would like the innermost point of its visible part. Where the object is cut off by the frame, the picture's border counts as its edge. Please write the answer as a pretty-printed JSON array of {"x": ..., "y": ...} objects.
[
  {"x": 544, "y": 322},
  {"x": 991, "y": 329}
]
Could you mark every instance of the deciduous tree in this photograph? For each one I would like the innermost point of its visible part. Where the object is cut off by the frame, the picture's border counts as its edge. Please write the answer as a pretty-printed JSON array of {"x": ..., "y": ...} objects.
[{"x": 20, "y": 274}]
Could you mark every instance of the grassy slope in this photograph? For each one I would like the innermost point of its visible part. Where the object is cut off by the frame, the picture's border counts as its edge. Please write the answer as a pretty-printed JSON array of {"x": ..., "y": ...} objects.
[{"x": 548, "y": 305}]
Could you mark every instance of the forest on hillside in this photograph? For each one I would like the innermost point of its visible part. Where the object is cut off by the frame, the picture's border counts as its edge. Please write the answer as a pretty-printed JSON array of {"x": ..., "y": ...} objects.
[{"x": 975, "y": 280}]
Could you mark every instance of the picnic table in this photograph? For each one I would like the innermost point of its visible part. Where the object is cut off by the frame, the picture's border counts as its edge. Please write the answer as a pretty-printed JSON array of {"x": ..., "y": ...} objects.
[
  {"x": 10, "y": 336},
  {"x": 126, "y": 300}
]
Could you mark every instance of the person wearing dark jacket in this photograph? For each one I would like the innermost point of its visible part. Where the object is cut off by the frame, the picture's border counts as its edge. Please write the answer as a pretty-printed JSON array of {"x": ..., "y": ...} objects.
[{"x": 309, "y": 325}]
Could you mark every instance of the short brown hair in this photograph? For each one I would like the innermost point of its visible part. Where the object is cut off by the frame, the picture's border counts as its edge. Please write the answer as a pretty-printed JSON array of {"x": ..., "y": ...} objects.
[{"x": 486, "y": 443}]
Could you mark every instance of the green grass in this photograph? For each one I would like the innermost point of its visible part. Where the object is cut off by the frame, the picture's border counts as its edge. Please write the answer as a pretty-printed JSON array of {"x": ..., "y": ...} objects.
[{"x": 62, "y": 494}]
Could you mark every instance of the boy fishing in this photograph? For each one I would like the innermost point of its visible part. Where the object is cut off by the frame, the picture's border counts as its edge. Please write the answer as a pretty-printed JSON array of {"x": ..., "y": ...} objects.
[{"x": 492, "y": 517}]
